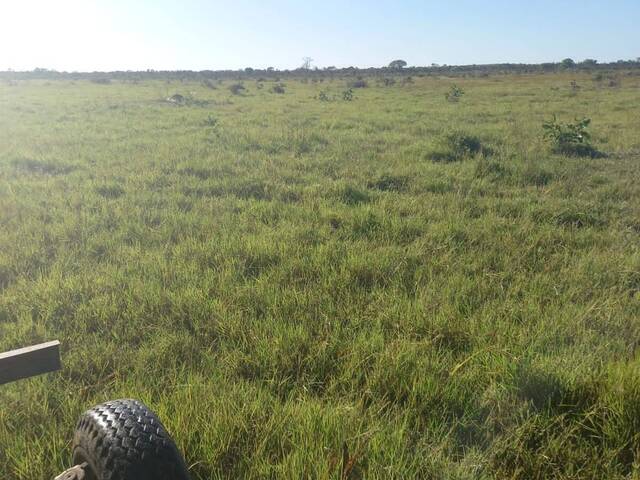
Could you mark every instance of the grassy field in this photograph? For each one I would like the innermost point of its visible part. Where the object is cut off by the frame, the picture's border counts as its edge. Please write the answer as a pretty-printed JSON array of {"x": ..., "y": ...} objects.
[{"x": 308, "y": 289}]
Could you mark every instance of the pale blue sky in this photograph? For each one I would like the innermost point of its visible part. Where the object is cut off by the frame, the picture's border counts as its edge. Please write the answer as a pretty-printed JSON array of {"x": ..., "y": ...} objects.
[{"x": 214, "y": 34}]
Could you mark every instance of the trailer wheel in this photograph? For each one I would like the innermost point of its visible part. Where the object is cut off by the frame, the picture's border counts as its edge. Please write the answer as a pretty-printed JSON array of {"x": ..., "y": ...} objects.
[{"x": 124, "y": 440}]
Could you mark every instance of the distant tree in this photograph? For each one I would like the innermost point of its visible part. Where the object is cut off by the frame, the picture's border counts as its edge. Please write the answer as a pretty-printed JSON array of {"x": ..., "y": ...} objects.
[
  {"x": 248, "y": 70},
  {"x": 306, "y": 63},
  {"x": 568, "y": 63},
  {"x": 590, "y": 62},
  {"x": 270, "y": 69},
  {"x": 398, "y": 64},
  {"x": 331, "y": 68}
]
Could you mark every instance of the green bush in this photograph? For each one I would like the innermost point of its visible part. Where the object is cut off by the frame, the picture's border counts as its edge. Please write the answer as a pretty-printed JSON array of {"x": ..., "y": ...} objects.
[
  {"x": 454, "y": 94},
  {"x": 347, "y": 95},
  {"x": 571, "y": 139},
  {"x": 323, "y": 96}
]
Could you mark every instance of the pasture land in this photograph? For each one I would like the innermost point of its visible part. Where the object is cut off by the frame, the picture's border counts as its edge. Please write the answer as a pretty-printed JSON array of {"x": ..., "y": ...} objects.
[{"x": 308, "y": 287}]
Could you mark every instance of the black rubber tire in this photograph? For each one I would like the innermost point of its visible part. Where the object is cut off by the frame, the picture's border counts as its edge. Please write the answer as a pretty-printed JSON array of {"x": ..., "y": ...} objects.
[{"x": 124, "y": 440}]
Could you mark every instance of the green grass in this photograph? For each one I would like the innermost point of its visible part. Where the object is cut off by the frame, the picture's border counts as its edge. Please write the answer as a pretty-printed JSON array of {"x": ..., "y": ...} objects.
[{"x": 301, "y": 290}]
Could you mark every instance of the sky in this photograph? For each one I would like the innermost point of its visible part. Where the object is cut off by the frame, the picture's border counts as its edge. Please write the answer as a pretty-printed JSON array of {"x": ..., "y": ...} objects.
[{"x": 105, "y": 35}]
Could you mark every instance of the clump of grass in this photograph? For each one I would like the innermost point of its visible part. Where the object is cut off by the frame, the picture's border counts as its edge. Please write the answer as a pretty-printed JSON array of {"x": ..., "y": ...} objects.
[
  {"x": 493, "y": 169},
  {"x": 352, "y": 196},
  {"x": 456, "y": 146},
  {"x": 110, "y": 190},
  {"x": 572, "y": 139},
  {"x": 279, "y": 88},
  {"x": 46, "y": 167},
  {"x": 535, "y": 175},
  {"x": 389, "y": 183}
]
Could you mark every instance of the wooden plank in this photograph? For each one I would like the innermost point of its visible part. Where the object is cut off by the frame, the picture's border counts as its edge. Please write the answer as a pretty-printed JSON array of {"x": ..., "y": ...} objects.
[{"x": 29, "y": 361}]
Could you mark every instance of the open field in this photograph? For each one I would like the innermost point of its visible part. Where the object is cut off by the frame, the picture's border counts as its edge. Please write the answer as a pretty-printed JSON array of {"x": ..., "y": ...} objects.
[{"x": 300, "y": 290}]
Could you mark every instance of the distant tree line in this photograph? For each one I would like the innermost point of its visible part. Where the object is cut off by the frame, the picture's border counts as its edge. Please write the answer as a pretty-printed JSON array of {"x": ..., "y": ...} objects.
[{"x": 396, "y": 67}]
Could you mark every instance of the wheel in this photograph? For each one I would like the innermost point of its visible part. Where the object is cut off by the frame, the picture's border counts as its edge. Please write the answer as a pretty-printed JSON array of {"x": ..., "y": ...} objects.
[{"x": 124, "y": 440}]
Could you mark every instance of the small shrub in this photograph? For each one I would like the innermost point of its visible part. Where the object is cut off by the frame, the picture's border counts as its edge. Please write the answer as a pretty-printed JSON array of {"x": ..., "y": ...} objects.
[
  {"x": 279, "y": 89},
  {"x": 236, "y": 88},
  {"x": 571, "y": 139},
  {"x": 454, "y": 94},
  {"x": 407, "y": 81},
  {"x": 388, "y": 82},
  {"x": 456, "y": 146},
  {"x": 211, "y": 121},
  {"x": 323, "y": 96},
  {"x": 347, "y": 95}
]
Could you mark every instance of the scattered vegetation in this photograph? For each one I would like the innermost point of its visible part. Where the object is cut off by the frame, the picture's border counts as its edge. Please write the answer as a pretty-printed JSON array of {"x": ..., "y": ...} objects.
[
  {"x": 278, "y": 88},
  {"x": 302, "y": 295}
]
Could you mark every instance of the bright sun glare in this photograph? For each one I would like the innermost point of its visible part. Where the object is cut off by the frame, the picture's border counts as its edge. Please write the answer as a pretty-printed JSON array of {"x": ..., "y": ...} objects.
[{"x": 66, "y": 34}]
